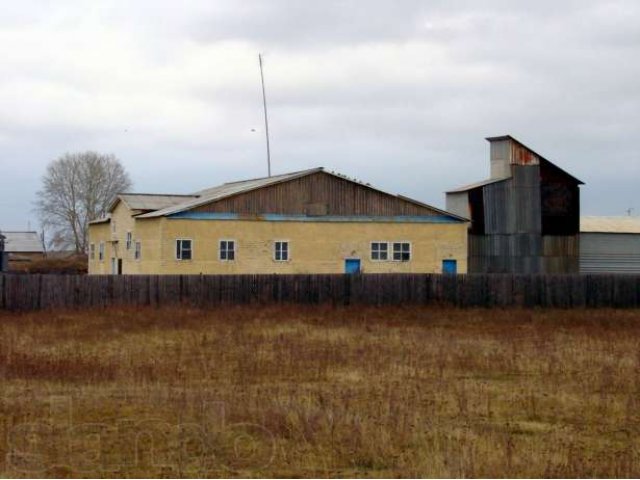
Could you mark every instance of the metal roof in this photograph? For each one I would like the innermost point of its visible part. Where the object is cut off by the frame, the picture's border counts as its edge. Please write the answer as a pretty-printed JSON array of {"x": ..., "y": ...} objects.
[
  {"x": 509, "y": 137},
  {"x": 22, "y": 242},
  {"x": 610, "y": 224},
  {"x": 471, "y": 186},
  {"x": 234, "y": 188},
  {"x": 149, "y": 201},
  {"x": 226, "y": 190}
]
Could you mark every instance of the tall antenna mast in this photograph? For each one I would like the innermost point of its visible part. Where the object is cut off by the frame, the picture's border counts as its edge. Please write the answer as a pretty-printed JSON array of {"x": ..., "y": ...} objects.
[{"x": 266, "y": 121}]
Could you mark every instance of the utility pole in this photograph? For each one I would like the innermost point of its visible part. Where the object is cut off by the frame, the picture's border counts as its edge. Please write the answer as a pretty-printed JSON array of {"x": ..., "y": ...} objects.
[{"x": 266, "y": 121}]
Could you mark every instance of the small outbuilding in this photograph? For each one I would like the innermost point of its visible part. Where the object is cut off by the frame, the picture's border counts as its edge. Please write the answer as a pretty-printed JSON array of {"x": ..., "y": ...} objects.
[
  {"x": 20, "y": 249},
  {"x": 610, "y": 245}
]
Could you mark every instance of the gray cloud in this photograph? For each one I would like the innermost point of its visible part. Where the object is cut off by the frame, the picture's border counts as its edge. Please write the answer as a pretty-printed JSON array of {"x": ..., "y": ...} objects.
[{"x": 397, "y": 93}]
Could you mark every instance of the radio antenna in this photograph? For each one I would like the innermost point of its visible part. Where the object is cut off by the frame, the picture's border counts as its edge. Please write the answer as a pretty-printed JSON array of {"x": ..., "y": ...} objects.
[{"x": 266, "y": 120}]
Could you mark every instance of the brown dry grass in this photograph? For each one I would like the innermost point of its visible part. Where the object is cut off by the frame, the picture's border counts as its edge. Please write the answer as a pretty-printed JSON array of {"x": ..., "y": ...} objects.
[
  {"x": 418, "y": 392},
  {"x": 73, "y": 264}
]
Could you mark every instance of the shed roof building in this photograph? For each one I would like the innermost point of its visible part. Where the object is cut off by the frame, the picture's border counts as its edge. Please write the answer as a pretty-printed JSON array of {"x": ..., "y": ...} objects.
[
  {"x": 19, "y": 248},
  {"x": 22, "y": 242},
  {"x": 610, "y": 244},
  {"x": 525, "y": 217}
]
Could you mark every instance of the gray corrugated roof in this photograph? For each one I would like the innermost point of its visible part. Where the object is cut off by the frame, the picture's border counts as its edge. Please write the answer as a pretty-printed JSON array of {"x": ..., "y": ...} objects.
[
  {"x": 220, "y": 192},
  {"x": 610, "y": 224},
  {"x": 471, "y": 186},
  {"x": 22, "y": 242},
  {"x": 151, "y": 201},
  {"x": 226, "y": 190}
]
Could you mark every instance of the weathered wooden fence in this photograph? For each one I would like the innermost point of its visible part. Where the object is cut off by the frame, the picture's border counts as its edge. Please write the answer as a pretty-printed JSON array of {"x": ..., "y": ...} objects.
[{"x": 34, "y": 292}]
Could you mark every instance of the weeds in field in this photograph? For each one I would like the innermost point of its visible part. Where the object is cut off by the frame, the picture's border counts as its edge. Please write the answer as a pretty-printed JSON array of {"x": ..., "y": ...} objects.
[{"x": 320, "y": 392}]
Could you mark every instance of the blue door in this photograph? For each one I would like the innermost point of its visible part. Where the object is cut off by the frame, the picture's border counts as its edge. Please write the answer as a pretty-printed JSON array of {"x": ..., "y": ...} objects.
[
  {"x": 352, "y": 265},
  {"x": 450, "y": 267}
]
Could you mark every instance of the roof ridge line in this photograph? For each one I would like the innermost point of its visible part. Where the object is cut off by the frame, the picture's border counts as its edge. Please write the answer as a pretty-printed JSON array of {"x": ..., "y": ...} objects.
[
  {"x": 159, "y": 194},
  {"x": 272, "y": 176}
]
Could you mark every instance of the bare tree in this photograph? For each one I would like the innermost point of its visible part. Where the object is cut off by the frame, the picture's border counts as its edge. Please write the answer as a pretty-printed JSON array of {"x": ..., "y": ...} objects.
[{"x": 78, "y": 188}]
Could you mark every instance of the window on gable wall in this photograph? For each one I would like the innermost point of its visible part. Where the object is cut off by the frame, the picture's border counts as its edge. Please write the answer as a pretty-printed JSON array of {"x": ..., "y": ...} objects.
[
  {"x": 138, "y": 251},
  {"x": 92, "y": 251},
  {"x": 183, "y": 249},
  {"x": 379, "y": 251},
  {"x": 129, "y": 240},
  {"x": 101, "y": 251},
  {"x": 281, "y": 251}
]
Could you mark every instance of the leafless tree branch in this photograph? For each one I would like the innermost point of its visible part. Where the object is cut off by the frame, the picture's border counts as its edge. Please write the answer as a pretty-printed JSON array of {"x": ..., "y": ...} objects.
[{"x": 78, "y": 188}]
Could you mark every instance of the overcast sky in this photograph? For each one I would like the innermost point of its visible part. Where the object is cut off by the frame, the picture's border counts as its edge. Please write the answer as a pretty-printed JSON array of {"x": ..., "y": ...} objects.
[{"x": 398, "y": 93}]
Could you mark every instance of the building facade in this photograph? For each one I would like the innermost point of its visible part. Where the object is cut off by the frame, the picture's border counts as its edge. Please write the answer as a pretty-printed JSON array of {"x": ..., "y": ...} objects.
[
  {"x": 525, "y": 217},
  {"x": 312, "y": 221},
  {"x": 610, "y": 245}
]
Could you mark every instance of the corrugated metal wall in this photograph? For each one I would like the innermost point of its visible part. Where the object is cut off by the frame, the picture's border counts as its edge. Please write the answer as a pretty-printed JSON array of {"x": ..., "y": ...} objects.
[
  {"x": 529, "y": 222},
  {"x": 514, "y": 253},
  {"x": 609, "y": 253},
  {"x": 513, "y": 240},
  {"x": 513, "y": 206}
]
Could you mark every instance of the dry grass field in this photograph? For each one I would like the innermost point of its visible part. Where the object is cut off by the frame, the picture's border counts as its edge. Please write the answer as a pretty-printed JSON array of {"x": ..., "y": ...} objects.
[{"x": 299, "y": 392}]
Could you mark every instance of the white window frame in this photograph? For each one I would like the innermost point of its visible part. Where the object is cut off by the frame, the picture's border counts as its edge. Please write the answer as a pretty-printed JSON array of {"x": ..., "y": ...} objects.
[
  {"x": 101, "y": 251},
  {"x": 179, "y": 258},
  {"x": 379, "y": 242},
  {"x": 137, "y": 250},
  {"x": 401, "y": 242},
  {"x": 129, "y": 240},
  {"x": 275, "y": 251},
  {"x": 235, "y": 249},
  {"x": 92, "y": 251}
]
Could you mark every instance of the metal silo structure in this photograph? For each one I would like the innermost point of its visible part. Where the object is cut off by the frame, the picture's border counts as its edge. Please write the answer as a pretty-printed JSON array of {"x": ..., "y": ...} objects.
[{"x": 525, "y": 217}]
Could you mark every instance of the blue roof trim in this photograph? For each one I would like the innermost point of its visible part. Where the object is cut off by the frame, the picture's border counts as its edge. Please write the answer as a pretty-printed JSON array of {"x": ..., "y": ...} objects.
[{"x": 270, "y": 217}]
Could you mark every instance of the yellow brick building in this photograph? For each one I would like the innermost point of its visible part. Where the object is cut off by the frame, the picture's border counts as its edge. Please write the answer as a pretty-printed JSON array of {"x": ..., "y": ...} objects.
[{"x": 312, "y": 221}]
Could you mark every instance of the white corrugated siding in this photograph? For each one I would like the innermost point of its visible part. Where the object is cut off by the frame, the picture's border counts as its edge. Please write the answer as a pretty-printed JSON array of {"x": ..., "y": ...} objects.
[{"x": 609, "y": 253}]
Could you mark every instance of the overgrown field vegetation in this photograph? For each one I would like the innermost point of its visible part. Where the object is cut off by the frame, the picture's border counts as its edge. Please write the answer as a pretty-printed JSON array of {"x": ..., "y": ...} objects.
[{"x": 275, "y": 391}]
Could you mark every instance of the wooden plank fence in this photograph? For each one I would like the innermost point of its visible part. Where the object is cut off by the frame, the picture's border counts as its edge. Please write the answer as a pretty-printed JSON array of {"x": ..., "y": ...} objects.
[{"x": 35, "y": 292}]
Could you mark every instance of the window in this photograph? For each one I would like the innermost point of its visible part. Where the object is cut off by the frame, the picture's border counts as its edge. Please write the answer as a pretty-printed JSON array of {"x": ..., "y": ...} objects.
[
  {"x": 129, "y": 240},
  {"x": 401, "y": 251},
  {"x": 281, "y": 251},
  {"x": 227, "y": 250},
  {"x": 92, "y": 251},
  {"x": 138, "y": 251},
  {"x": 379, "y": 251},
  {"x": 183, "y": 249},
  {"x": 101, "y": 251}
]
